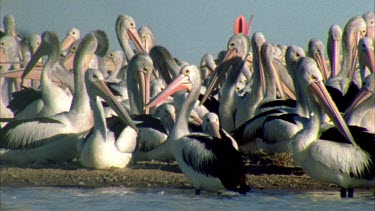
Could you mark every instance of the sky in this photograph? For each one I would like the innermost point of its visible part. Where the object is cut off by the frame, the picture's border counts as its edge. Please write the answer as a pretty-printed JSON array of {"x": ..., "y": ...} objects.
[{"x": 188, "y": 29}]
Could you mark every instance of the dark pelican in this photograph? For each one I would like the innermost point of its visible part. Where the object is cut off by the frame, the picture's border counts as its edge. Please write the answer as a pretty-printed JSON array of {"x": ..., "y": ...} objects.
[{"x": 212, "y": 164}]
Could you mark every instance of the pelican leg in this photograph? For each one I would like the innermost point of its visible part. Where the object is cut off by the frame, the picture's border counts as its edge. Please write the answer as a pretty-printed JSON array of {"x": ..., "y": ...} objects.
[
  {"x": 350, "y": 192},
  {"x": 197, "y": 192},
  {"x": 343, "y": 193}
]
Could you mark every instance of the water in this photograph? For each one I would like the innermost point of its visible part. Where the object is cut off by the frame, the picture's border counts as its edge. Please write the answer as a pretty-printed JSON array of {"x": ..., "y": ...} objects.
[{"x": 120, "y": 198}]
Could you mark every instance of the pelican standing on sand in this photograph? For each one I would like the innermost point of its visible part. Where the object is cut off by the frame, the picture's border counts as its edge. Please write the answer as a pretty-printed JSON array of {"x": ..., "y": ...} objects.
[
  {"x": 210, "y": 163},
  {"x": 338, "y": 160}
]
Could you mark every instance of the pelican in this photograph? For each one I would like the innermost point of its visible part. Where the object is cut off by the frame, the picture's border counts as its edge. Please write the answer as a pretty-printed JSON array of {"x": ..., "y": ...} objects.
[
  {"x": 344, "y": 86},
  {"x": 268, "y": 130},
  {"x": 72, "y": 35},
  {"x": 115, "y": 61},
  {"x": 54, "y": 99},
  {"x": 9, "y": 48},
  {"x": 234, "y": 110},
  {"x": 339, "y": 160},
  {"x": 55, "y": 138},
  {"x": 316, "y": 51},
  {"x": 147, "y": 37},
  {"x": 361, "y": 111},
  {"x": 68, "y": 59},
  {"x": 212, "y": 164},
  {"x": 207, "y": 66},
  {"x": 105, "y": 149},
  {"x": 333, "y": 48},
  {"x": 138, "y": 82},
  {"x": 126, "y": 30}
]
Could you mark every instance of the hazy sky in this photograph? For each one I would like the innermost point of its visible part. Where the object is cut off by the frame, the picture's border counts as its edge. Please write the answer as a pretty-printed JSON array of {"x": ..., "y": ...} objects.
[{"x": 191, "y": 28}]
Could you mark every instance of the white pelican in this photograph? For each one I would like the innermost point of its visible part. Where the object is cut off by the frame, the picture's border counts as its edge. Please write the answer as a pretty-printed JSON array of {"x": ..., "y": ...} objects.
[
  {"x": 210, "y": 163},
  {"x": 125, "y": 31},
  {"x": 148, "y": 38},
  {"x": 55, "y": 138},
  {"x": 333, "y": 48},
  {"x": 316, "y": 51},
  {"x": 102, "y": 148},
  {"x": 338, "y": 160}
]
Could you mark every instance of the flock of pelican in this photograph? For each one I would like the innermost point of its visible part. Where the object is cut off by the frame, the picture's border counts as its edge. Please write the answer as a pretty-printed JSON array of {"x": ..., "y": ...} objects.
[{"x": 75, "y": 100}]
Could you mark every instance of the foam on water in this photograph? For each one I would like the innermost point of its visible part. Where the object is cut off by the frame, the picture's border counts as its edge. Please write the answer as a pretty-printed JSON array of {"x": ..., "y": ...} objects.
[{"x": 120, "y": 198}]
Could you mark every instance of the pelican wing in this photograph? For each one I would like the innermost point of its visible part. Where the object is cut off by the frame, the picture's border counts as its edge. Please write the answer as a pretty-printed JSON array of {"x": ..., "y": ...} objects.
[
  {"x": 23, "y": 98},
  {"x": 25, "y": 134},
  {"x": 363, "y": 157},
  {"x": 215, "y": 157}
]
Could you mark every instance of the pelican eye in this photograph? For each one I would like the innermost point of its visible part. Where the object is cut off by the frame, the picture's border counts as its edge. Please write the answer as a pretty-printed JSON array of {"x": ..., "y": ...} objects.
[
  {"x": 111, "y": 55},
  {"x": 237, "y": 88},
  {"x": 73, "y": 33},
  {"x": 95, "y": 77},
  {"x": 313, "y": 77},
  {"x": 132, "y": 24},
  {"x": 143, "y": 36},
  {"x": 3, "y": 43},
  {"x": 186, "y": 72},
  {"x": 363, "y": 31},
  {"x": 231, "y": 45}
]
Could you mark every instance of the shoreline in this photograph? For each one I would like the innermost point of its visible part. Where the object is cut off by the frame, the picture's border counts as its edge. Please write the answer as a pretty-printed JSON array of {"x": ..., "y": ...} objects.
[{"x": 271, "y": 172}]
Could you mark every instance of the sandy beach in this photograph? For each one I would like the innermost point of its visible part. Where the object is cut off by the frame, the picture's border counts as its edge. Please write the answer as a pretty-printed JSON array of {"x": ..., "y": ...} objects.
[{"x": 265, "y": 171}]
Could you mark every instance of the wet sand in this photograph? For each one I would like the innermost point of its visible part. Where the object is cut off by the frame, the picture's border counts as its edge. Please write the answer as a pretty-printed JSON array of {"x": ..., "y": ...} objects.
[{"x": 264, "y": 172}]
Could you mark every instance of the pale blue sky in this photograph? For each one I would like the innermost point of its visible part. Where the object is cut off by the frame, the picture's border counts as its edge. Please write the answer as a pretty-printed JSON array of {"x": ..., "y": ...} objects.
[{"x": 191, "y": 28}]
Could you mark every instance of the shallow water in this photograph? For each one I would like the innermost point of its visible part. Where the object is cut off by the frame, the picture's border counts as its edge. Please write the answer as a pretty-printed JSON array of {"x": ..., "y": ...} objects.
[{"x": 119, "y": 198}]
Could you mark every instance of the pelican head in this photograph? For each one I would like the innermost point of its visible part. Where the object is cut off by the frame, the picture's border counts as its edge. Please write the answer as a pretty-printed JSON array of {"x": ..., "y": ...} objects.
[
  {"x": 354, "y": 30},
  {"x": 211, "y": 124},
  {"x": 96, "y": 87},
  {"x": 142, "y": 64},
  {"x": 147, "y": 37},
  {"x": 188, "y": 80},
  {"x": 333, "y": 47},
  {"x": 125, "y": 28},
  {"x": 72, "y": 35},
  {"x": 237, "y": 49},
  {"x": 316, "y": 51},
  {"x": 366, "y": 53},
  {"x": 369, "y": 18},
  {"x": 49, "y": 46}
]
